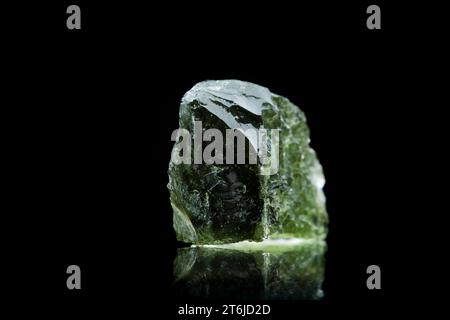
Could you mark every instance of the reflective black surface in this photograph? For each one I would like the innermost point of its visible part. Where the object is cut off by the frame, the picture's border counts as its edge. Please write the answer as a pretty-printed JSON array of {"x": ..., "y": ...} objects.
[{"x": 281, "y": 272}]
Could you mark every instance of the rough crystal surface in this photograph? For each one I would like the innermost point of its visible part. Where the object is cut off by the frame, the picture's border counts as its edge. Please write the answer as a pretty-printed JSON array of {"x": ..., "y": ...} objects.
[{"x": 224, "y": 203}]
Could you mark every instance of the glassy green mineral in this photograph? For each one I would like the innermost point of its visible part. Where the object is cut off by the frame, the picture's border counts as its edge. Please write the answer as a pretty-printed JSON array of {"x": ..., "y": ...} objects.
[
  {"x": 279, "y": 196},
  {"x": 249, "y": 271}
]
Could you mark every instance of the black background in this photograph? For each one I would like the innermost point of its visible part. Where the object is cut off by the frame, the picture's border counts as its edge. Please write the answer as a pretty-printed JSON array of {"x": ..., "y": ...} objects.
[{"x": 94, "y": 110}]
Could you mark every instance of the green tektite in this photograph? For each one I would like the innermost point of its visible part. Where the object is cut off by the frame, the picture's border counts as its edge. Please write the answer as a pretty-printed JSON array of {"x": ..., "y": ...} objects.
[{"x": 224, "y": 203}]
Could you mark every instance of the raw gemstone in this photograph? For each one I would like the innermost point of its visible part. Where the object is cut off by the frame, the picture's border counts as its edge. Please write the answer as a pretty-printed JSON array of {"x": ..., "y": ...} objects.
[{"x": 224, "y": 203}]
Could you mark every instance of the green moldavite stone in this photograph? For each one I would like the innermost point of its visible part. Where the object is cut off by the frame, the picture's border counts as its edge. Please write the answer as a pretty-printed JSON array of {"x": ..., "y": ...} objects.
[{"x": 230, "y": 202}]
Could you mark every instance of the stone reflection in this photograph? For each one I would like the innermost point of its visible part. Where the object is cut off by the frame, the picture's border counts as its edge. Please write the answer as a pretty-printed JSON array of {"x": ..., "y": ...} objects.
[{"x": 242, "y": 271}]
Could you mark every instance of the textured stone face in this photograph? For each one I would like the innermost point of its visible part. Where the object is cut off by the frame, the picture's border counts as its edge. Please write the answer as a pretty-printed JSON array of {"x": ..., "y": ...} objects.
[{"x": 224, "y": 203}]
